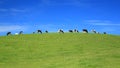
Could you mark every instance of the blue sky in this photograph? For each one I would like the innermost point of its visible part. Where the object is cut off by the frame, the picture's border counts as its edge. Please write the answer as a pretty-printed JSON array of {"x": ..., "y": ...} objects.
[{"x": 51, "y": 15}]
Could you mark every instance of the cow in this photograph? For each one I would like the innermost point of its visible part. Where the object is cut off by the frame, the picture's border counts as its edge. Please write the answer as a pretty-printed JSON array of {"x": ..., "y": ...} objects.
[
  {"x": 76, "y": 31},
  {"x": 71, "y": 31},
  {"x": 104, "y": 33},
  {"x": 85, "y": 31},
  {"x": 8, "y": 33},
  {"x": 21, "y": 32},
  {"x": 94, "y": 31},
  {"x": 98, "y": 32},
  {"x": 46, "y": 31},
  {"x": 60, "y": 31},
  {"x": 33, "y": 32},
  {"x": 39, "y": 31}
]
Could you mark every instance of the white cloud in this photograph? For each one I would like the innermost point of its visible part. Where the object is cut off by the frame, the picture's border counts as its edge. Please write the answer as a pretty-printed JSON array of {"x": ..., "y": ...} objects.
[
  {"x": 51, "y": 27},
  {"x": 108, "y": 29},
  {"x": 12, "y": 28},
  {"x": 101, "y": 23},
  {"x": 12, "y": 10},
  {"x": 17, "y": 10},
  {"x": 79, "y": 3},
  {"x": 105, "y": 24},
  {"x": 45, "y": 2},
  {"x": 3, "y": 10},
  {"x": 97, "y": 21}
]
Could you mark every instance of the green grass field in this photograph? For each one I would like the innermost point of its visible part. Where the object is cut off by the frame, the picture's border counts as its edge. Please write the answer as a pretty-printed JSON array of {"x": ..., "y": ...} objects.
[{"x": 53, "y": 50}]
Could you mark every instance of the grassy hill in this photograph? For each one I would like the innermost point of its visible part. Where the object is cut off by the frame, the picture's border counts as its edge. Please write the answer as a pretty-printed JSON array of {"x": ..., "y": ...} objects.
[{"x": 54, "y": 50}]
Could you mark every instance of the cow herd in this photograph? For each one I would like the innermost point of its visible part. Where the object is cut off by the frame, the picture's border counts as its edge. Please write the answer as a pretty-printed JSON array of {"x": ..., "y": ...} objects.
[
  {"x": 10, "y": 33},
  {"x": 59, "y": 31}
]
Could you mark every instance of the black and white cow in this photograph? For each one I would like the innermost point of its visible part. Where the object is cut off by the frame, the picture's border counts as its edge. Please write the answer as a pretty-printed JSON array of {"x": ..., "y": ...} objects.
[
  {"x": 94, "y": 31},
  {"x": 76, "y": 31},
  {"x": 8, "y": 33},
  {"x": 71, "y": 31},
  {"x": 46, "y": 31},
  {"x": 85, "y": 31},
  {"x": 21, "y": 32},
  {"x": 39, "y": 31},
  {"x": 60, "y": 31},
  {"x": 33, "y": 32},
  {"x": 104, "y": 33}
]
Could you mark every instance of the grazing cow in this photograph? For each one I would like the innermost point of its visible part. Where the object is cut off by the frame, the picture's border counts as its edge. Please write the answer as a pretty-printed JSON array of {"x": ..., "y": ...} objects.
[
  {"x": 98, "y": 32},
  {"x": 76, "y": 31},
  {"x": 46, "y": 31},
  {"x": 71, "y": 31},
  {"x": 33, "y": 32},
  {"x": 85, "y": 31},
  {"x": 39, "y": 31},
  {"x": 60, "y": 31},
  {"x": 21, "y": 32},
  {"x": 8, "y": 33},
  {"x": 104, "y": 33},
  {"x": 94, "y": 31}
]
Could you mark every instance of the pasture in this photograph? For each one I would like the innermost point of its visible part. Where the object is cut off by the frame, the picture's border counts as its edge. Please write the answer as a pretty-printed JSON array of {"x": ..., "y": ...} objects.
[{"x": 53, "y": 50}]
